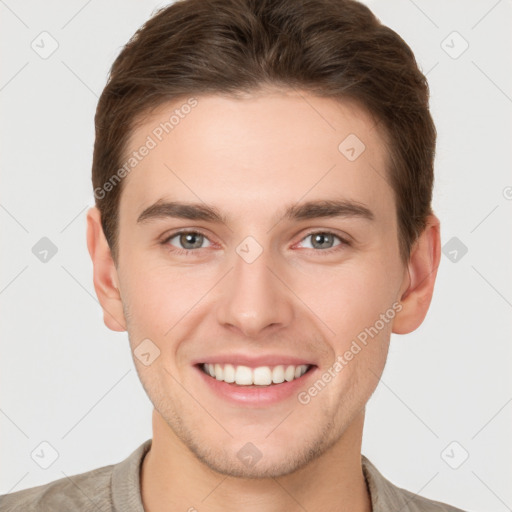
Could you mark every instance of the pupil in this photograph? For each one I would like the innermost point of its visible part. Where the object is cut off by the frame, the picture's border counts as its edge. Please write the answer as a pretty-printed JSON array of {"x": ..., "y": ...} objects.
[
  {"x": 189, "y": 238},
  {"x": 322, "y": 238}
]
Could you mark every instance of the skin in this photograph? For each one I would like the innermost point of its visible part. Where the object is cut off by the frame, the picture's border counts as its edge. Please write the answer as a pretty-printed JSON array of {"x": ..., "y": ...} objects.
[{"x": 251, "y": 157}]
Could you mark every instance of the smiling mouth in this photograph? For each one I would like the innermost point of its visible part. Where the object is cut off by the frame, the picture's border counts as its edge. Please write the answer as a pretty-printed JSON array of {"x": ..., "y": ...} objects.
[{"x": 260, "y": 376}]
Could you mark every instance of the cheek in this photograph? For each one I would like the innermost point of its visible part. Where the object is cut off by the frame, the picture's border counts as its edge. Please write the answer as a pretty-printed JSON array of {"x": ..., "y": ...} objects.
[
  {"x": 160, "y": 296},
  {"x": 350, "y": 297}
]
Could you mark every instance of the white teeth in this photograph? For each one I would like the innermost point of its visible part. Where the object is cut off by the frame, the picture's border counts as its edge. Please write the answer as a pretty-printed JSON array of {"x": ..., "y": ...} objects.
[
  {"x": 243, "y": 376},
  {"x": 219, "y": 372},
  {"x": 229, "y": 373},
  {"x": 289, "y": 373},
  {"x": 278, "y": 374},
  {"x": 260, "y": 376}
]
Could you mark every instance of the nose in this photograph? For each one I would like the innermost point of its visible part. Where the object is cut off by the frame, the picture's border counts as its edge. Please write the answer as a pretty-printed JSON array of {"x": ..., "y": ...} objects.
[{"x": 254, "y": 299}]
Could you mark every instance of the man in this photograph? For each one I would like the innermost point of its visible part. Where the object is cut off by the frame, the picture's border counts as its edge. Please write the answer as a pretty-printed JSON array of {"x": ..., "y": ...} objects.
[{"x": 263, "y": 176}]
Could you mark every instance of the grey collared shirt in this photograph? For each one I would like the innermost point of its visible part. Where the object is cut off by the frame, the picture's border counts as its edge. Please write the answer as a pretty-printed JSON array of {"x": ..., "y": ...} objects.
[{"x": 116, "y": 488}]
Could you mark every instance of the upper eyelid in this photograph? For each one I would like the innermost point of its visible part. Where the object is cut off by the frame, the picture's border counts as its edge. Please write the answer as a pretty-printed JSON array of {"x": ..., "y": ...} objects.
[
  {"x": 339, "y": 237},
  {"x": 345, "y": 240},
  {"x": 174, "y": 234}
]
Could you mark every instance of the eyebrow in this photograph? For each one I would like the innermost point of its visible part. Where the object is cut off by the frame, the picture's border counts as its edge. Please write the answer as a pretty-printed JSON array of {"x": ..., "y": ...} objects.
[{"x": 310, "y": 210}]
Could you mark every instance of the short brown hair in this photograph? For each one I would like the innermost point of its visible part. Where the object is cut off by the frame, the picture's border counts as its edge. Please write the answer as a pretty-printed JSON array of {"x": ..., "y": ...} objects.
[{"x": 331, "y": 48}]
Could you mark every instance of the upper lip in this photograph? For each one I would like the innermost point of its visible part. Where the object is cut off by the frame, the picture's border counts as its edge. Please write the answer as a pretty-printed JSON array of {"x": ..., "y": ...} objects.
[{"x": 254, "y": 361}]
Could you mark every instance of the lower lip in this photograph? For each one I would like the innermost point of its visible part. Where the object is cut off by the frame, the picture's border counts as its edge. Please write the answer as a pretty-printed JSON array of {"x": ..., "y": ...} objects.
[{"x": 256, "y": 395}]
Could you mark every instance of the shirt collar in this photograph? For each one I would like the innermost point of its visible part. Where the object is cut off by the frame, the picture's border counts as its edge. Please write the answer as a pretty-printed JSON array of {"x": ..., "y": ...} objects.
[
  {"x": 384, "y": 495},
  {"x": 126, "y": 492}
]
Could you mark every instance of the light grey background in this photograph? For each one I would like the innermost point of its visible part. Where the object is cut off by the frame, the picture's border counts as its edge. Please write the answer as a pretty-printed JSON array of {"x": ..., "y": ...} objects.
[{"x": 69, "y": 381}]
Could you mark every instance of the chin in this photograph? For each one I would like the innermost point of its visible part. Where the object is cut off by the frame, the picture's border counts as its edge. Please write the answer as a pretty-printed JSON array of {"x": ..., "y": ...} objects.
[
  {"x": 262, "y": 466},
  {"x": 262, "y": 458}
]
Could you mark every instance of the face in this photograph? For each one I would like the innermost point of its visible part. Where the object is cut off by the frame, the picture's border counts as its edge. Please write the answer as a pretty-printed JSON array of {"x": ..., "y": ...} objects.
[{"x": 256, "y": 246}]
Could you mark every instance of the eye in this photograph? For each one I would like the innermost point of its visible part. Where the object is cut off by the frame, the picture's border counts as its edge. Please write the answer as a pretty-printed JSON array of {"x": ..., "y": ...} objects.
[
  {"x": 188, "y": 240},
  {"x": 324, "y": 241}
]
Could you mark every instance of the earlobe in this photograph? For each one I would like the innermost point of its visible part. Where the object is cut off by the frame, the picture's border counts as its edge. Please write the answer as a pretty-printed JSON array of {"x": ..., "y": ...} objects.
[
  {"x": 104, "y": 273},
  {"x": 420, "y": 278}
]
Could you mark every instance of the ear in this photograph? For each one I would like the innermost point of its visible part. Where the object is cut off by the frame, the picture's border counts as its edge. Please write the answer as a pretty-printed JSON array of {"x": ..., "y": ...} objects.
[
  {"x": 105, "y": 273},
  {"x": 418, "y": 286}
]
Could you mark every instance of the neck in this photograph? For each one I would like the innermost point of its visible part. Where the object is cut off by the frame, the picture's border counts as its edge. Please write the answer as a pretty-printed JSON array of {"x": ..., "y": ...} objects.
[{"x": 173, "y": 478}]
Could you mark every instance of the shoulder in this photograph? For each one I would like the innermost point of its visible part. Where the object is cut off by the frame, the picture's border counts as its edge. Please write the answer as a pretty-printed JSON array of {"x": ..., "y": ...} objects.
[
  {"x": 387, "y": 496},
  {"x": 108, "y": 488},
  {"x": 419, "y": 503},
  {"x": 86, "y": 491}
]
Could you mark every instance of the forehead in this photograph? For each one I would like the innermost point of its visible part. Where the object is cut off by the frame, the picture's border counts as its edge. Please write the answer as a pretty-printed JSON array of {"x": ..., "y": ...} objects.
[{"x": 255, "y": 153}]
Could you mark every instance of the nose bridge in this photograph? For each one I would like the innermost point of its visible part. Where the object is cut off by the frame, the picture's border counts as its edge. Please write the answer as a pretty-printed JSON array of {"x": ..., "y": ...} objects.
[{"x": 253, "y": 298}]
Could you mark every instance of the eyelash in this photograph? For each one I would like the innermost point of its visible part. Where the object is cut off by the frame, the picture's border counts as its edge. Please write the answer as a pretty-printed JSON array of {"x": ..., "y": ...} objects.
[{"x": 188, "y": 252}]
